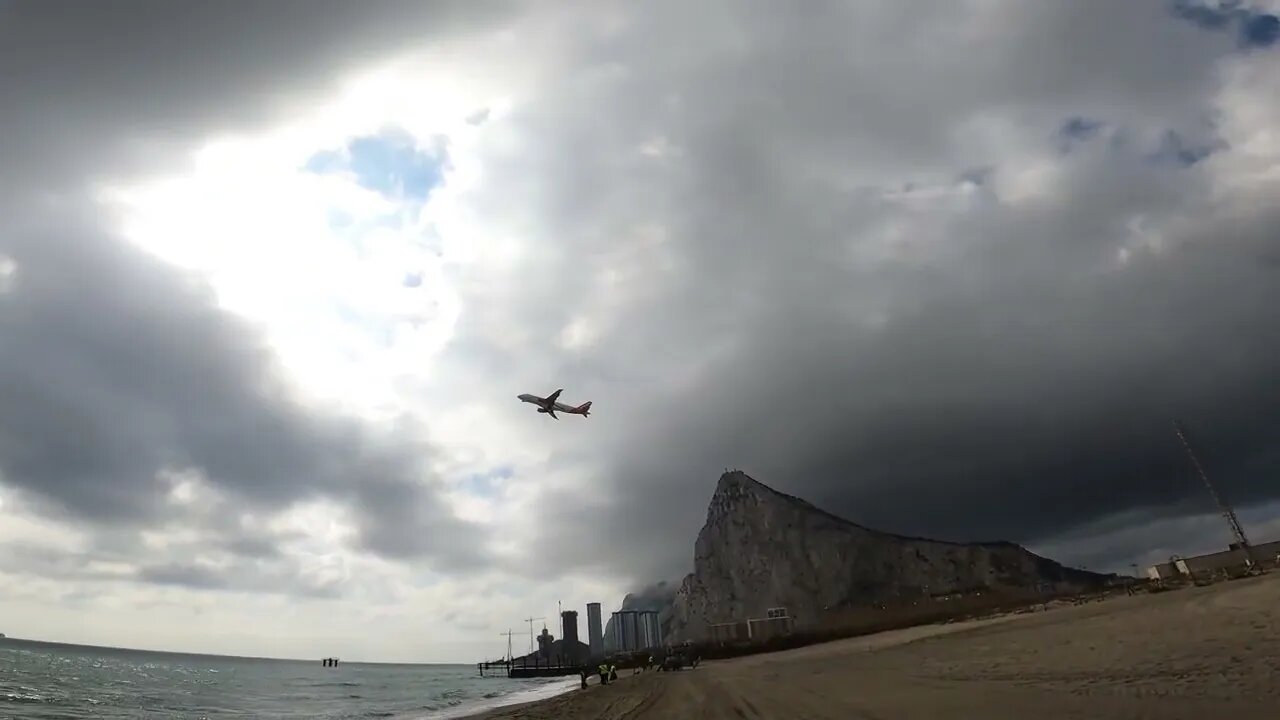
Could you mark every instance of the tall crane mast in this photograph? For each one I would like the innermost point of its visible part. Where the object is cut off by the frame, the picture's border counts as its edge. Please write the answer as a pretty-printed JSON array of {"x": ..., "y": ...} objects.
[
  {"x": 1237, "y": 530},
  {"x": 530, "y": 621},
  {"x": 510, "y": 655}
]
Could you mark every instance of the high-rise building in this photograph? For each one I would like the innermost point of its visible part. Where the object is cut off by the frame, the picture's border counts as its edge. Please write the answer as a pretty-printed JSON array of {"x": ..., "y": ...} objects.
[
  {"x": 650, "y": 635},
  {"x": 595, "y": 631},
  {"x": 655, "y": 628},
  {"x": 623, "y": 632},
  {"x": 642, "y": 637},
  {"x": 569, "y": 636},
  {"x": 615, "y": 638},
  {"x": 627, "y": 630}
]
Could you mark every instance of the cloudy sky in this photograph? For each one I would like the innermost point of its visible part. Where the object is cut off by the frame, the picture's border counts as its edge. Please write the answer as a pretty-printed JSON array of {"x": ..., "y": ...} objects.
[{"x": 272, "y": 274}]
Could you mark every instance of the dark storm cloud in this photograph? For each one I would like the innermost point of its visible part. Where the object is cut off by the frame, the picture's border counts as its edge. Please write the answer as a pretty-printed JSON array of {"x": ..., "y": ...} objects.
[
  {"x": 994, "y": 372},
  {"x": 241, "y": 577},
  {"x": 1121, "y": 542},
  {"x": 25, "y": 560},
  {"x": 114, "y": 366},
  {"x": 131, "y": 85}
]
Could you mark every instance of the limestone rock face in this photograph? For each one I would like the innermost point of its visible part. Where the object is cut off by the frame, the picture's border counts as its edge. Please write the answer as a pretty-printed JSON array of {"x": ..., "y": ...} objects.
[{"x": 761, "y": 548}]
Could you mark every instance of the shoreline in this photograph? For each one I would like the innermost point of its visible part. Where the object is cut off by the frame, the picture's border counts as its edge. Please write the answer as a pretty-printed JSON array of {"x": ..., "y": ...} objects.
[
  {"x": 1189, "y": 653},
  {"x": 504, "y": 703}
]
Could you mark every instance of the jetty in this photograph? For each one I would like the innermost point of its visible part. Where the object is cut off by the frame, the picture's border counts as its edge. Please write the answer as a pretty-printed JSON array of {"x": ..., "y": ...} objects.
[{"x": 527, "y": 668}]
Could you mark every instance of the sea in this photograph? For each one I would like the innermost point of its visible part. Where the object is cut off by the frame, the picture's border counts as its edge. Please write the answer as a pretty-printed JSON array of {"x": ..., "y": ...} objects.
[{"x": 44, "y": 681}]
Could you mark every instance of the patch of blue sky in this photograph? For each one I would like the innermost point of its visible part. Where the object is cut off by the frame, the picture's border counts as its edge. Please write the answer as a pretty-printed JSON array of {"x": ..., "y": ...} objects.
[
  {"x": 389, "y": 162},
  {"x": 1080, "y": 128},
  {"x": 378, "y": 327},
  {"x": 1254, "y": 28},
  {"x": 487, "y": 484},
  {"x": 428, "y": 238},
  {"x": 338, "y": 219},
  {"x": 1260, "y": 31},
  {"x": 1076, "y": 131},
  {"x": 1174, "y": 148}
]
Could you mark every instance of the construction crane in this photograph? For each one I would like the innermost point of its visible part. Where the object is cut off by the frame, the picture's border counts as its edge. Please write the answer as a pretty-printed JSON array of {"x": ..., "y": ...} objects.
[
  {"x": 1237, "y": 530},
  {"x": 510, "y": 655},
  {"x": 530, "y": 621}
]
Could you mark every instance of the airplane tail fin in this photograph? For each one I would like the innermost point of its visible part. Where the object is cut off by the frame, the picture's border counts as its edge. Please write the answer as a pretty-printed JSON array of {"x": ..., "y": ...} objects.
[{"x": 584, "y": 408}]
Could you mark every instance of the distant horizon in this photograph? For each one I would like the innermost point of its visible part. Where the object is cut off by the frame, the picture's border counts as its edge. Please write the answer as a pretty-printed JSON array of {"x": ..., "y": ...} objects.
[{"x": 11, "y": 638}]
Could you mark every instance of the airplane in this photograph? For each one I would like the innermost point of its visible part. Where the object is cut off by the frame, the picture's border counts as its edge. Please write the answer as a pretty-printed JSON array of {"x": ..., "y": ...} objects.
[{"x": 551, "y": 404}]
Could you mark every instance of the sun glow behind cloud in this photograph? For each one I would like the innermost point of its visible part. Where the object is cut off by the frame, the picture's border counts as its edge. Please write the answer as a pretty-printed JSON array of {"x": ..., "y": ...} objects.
[
  {"x": 346, "y": 264},
  {"x": 347, "y": 237},
  {"x": 349, "y": 283}
]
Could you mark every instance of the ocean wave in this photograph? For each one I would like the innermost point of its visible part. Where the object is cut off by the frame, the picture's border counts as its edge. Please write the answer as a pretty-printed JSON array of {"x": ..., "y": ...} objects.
[
  {"x": 97, "y": 683},
  {"x": 26, "y": 698},
  {"x": 502, "y": 698}
]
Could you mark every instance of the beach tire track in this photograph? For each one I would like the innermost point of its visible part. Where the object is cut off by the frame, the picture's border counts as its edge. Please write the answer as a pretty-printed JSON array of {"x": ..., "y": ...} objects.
[{"x": 650, "y": 698}]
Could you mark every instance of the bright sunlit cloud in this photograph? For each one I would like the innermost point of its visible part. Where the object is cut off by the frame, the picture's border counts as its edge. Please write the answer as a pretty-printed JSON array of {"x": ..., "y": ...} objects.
[{"x": 324, "y": 231}]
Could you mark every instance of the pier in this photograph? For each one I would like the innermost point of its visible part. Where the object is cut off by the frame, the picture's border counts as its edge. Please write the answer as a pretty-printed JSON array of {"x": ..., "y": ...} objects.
[
  {"x": 535, "y": 671},
  {"x": 519, "y": 668}
]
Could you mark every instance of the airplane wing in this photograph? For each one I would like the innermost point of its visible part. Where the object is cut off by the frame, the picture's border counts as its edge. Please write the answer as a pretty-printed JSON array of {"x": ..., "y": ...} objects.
[{"x": 551, "y": 400}]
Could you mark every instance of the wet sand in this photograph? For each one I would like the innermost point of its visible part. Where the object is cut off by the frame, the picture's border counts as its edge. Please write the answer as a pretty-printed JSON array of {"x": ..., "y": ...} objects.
[{"x": 1211, "y": 652}]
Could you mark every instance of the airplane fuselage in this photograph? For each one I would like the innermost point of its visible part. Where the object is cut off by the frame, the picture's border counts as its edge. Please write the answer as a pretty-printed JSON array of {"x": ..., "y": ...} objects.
[{"x": 550, "y": 405}]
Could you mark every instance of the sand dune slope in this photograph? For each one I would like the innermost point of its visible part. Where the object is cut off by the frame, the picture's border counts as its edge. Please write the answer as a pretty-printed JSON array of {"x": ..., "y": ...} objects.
[{"x": 1209, "y": 652}]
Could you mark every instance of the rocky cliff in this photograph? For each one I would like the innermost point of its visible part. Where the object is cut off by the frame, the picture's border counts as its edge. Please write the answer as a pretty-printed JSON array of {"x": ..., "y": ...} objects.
[{"x": 761, "y": 548}]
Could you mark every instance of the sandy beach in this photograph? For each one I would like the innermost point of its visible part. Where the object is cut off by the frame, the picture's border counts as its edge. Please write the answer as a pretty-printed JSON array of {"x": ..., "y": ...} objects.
[{"x": 1209, "y": 652}]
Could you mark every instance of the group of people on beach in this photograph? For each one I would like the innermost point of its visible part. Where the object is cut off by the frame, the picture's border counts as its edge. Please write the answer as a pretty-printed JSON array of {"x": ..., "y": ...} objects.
[{"x": 608, "y": 671}]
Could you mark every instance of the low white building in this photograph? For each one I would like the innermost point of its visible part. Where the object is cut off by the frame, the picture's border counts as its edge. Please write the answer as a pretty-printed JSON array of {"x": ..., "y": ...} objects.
[{"x": 1198, "y": 565}]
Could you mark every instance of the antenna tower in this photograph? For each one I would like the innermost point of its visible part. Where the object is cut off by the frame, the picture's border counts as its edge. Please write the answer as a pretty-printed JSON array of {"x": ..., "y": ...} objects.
[{"x": 1237, "y": 530}]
